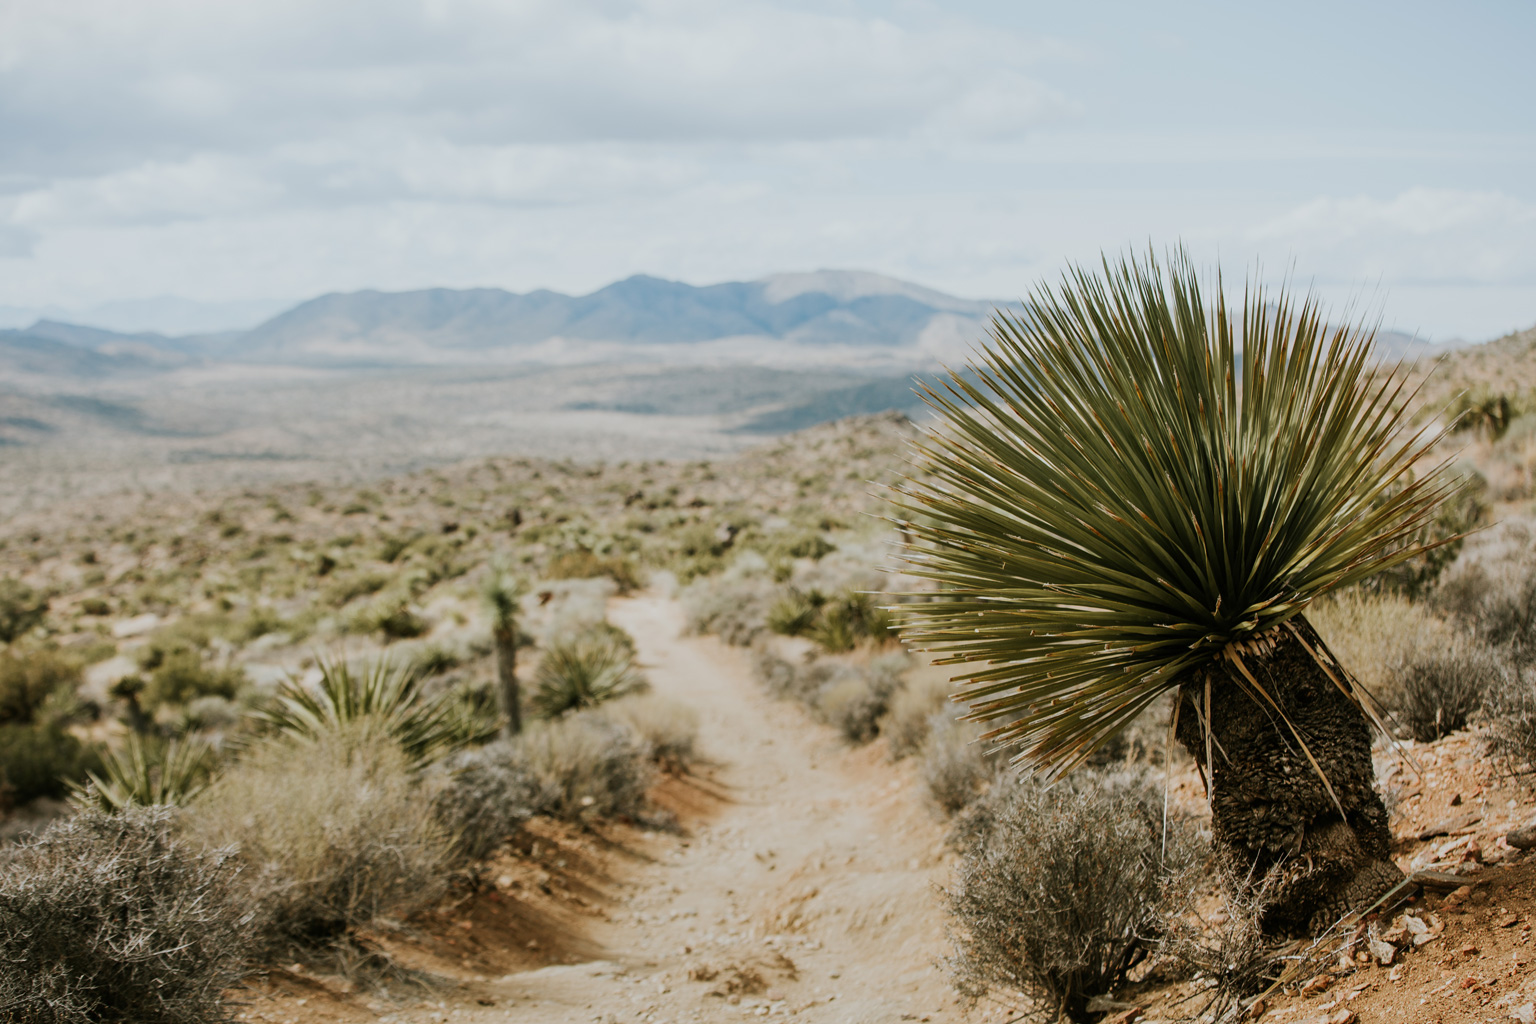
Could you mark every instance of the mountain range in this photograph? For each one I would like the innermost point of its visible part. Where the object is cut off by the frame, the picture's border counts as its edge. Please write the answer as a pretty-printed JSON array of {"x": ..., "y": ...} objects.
[{"x": 852, "y": 319}]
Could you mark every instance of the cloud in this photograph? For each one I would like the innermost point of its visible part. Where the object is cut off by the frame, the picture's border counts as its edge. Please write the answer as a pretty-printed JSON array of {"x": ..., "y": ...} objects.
[
  {"x": 93, "y": 86},
  {"x": 1421, "y": 235},
  {"x": 16, "y": 242}
]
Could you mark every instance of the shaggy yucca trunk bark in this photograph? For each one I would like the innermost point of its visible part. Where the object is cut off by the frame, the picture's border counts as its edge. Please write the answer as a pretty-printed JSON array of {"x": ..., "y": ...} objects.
[
  {"x": 1273, "y": 820},
  {"x": 505, "y": 636}
]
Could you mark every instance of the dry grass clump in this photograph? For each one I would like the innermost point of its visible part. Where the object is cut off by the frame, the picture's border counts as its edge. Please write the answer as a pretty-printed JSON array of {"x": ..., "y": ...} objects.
[
  {"x": 1062, "y": 892},
  {"x": 1510, "y": 709},
  {"x": 1370, "y": 631},
  {"x": 335, "y": 830},
  {"x": 582, "y": 564},
  {"x": 116, "y": 918}
]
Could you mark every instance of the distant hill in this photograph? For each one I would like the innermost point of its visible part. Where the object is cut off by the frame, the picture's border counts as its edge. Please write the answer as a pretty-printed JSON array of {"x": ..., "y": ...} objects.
[{"x": 841, "y": 310}]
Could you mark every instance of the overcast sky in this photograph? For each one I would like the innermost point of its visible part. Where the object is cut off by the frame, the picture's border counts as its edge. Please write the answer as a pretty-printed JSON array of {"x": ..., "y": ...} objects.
[{"x": 274, "y": 150}]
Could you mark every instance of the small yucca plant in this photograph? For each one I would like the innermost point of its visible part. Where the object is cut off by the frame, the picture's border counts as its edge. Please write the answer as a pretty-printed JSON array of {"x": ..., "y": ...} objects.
[
  {"x": 584, "y": 671},
  {"x": 382, "y": 695},
  {"x": 146, "y": 772},
  {"x": 1136, "y": 490}
]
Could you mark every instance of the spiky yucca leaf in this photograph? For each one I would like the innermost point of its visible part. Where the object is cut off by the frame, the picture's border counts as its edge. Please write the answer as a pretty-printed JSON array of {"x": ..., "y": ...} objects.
[
  {"x": 583, "y": 671},
  {"x": 1130, "y": 482},
  {"x": 146, "y": 772},
  {"x": 381, "y": 694}
]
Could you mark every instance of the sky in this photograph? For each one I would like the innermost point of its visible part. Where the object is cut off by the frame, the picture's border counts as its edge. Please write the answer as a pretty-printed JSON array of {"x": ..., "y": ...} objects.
[{"x": 226, "y": 160}]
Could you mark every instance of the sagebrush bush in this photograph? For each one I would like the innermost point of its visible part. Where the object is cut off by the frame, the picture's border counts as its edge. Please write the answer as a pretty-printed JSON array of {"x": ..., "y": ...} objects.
[
  {"x": 957, "y": 765},
  {"x": 183, "y": 675},
  {"x": 1509, "y": 707},
  {"x": 1061, "y": 892},
  {"x": 845, "y": 621},
  {"x": 856, "y": 703},
  {"x": 906, "y": 724},
  {"x": 588, "y": 765},
  {"x": 733, "y": 608},
  {"x": 1437, "y": 687},
  {"x": 668, "y": 728},
  {"x": 794, "y": 613},
  {"x": 334, "y": 830},
  {"x": 115, "y": 918},
  {"x": 1491, "y": 587},
  {"x": 583, "y": 671},
  {"x": 486, "y": 795}
]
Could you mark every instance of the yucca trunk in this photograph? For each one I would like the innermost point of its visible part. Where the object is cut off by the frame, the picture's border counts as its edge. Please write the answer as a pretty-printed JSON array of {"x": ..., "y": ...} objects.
[
  {"x": 505, "y": 637},
  {"x": 1273, "y": 819}
]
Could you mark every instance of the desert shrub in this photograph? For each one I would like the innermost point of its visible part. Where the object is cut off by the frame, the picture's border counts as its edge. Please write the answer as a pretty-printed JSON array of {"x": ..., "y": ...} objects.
[
  {"x": 734, "y": 608},
  {"x": 912, "y": 707},
  {"x": 957, "y": 765},
  {"x": 486, "y": 796},
  {"x": 1462, "y": 513},
  {"x": 380, "y": 694},
  {"x": 115, "y": 918},
  {"x": 588, "y": 766},
  {"x": 584, "y": 671},
  {"x": 846, "y": 620},
  {"x": 334, "y": 830},
  {"x": 1509, "y": 707},
  {"x": 1491, "y": 587},
  {"x": 1061, "y": 892},
  {"x": 28, "y": 679},
  {"x": 211, "y": 713},
  {"x": 795, "y": 612},
  {"x": 854, "y": 705},
  {"x": 795, "y": 544},
  {"x": 669, "y": 728},
  {"x": 777, "y": 675},
  {"x": 1437, "y": 687},
  {"x": 1369, "y": 630},
  {"x": 41, "y": 761},
  {"x": 348, "y": 588},
  {"x": 21, "y": 609},
  {"x": 146, "y": 772},
  {"x": 582, "y": 564},
  {"x": 183, "y": 674}
]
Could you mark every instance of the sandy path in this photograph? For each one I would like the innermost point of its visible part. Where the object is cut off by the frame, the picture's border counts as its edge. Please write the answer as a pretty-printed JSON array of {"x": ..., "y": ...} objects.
[{"x": 811, "y": 888}]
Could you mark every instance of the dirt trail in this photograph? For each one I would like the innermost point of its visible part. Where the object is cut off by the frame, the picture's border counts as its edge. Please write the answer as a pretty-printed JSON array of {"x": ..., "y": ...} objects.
[{"x": 809, "y": 891}]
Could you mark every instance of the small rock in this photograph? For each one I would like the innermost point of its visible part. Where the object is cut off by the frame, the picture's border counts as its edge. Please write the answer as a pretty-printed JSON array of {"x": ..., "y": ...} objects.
[
  {"x": 1384, "y": 952},
  {"x": 1525, "y": 1014},
  {"x": 1318, "y": 984},
  {"x": 1340, "y": 1016},
  {"x": 1257, "y": 1009},
  {"x": 1508, "y": 920},
  {"x": 1470, "y": 949},
  {"x": 1522, "y": 838},
  {"x": 1457, "y": 897}
]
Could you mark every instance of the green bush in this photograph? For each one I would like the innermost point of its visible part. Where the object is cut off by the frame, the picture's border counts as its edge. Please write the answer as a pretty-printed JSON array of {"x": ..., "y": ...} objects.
[
  {"x": 29, "y": 678},
  {"x": 796, "y": 612},
  {"x": 584, "y": 671},
  {"x": 115, "y": 918},
  {"x": 845, "y": 621},
  {"x": 21, "y": 609},
  {"x": 183, "y": 675},
  {"x": 41, "y": 761}
]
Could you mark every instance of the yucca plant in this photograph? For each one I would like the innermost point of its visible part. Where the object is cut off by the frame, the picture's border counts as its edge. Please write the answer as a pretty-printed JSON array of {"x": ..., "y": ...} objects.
[
  {"x": 502, "y": 591},
  {"x": 147, "y": 772},
  {"x": 1135, "y": 491},
  {"x": 584, "y": 671},
  {"x": 382, "y": 694}
]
